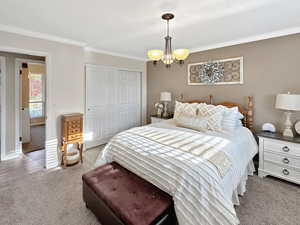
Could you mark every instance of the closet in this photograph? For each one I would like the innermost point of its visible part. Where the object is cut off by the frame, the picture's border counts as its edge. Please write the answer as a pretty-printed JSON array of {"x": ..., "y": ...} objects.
[{"x": 113, "y": 102}]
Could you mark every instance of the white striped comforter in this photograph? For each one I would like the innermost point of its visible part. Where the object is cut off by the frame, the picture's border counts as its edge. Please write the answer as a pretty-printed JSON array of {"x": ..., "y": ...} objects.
[
  {"x": 195, "y": 143},
  {"x": 194, "y": 182}
]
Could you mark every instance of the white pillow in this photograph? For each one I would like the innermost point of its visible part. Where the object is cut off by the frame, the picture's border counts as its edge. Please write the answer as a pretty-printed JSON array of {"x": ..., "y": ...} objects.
[
  {"x": 240, "y": 116},
  {"x": 239, "y": 123},
  {"x": 231, "y": 118},
  {"x": 213, "y": 115},
  {"x": 185, "y": 109},
  {"x": 195, "y": 123}
]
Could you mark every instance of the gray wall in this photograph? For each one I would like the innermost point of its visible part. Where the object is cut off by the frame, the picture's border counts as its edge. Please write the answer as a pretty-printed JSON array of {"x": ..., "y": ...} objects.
[{"x": 270, "y": 67}]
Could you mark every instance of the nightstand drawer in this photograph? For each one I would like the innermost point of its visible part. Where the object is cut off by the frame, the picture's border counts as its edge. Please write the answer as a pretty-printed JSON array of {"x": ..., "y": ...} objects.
[
  {"x": 281, "y": 171},
  {"x": 282, "y": 159},
  {"x": 282, "y": 147}
]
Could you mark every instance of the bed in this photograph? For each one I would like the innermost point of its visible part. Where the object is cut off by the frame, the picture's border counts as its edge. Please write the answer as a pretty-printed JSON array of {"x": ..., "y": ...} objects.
[{"x": 204, "y": 181}]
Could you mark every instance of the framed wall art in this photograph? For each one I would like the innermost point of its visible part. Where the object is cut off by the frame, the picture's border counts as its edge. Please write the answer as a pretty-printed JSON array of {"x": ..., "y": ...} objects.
[{"x": 217, "y": 72}]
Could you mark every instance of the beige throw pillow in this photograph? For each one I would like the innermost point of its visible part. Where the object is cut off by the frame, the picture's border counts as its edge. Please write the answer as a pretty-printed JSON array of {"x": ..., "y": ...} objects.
[
  {"x": 213, "y": 115},
  {"x": 194, "y": 122},
  {"x": 185, "y": 109}
]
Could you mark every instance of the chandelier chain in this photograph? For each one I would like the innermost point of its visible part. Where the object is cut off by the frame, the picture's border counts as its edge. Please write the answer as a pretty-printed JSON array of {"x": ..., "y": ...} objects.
[{"x": 167, "y": 27}]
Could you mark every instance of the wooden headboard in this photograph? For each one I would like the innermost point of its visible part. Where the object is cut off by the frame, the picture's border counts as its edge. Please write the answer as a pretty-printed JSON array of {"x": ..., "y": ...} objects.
[
  {"x": 208, "y": 101},
  {"x": 248, "y": 113}
]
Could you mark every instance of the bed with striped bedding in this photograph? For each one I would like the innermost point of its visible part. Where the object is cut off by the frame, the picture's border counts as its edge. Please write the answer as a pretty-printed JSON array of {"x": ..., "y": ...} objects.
[{"x": 189, "y": 166}]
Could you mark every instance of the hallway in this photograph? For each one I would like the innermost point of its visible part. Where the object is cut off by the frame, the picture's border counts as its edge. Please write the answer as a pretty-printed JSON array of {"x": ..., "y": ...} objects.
[{"x": 37, "y": 139}]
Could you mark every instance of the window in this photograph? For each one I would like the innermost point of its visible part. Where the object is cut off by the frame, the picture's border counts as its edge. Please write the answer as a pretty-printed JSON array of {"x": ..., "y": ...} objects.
[{"x": 36, "y": 95}]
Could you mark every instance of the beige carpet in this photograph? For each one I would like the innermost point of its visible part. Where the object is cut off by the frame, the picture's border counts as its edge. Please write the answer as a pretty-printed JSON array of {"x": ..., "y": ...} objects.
[{"x": 55, "y": 198}]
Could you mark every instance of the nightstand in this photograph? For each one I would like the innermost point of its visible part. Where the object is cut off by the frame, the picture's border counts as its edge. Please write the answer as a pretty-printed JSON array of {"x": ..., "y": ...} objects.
[
  {"x": 279, "y": 156},
  {"x": 156, "y": 119}
]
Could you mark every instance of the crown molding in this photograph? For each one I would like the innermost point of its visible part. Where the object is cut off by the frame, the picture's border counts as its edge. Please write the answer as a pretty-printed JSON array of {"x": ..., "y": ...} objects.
[
  {"x": 90, "y": 49},
  {"x": 254, "y": 38},
  {"x": 24, "y": 32},
  {"x": 28, "y": 33}
]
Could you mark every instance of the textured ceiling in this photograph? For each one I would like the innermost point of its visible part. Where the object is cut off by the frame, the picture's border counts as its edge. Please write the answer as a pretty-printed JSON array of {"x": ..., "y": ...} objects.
[{"x": 131, "y": 27}]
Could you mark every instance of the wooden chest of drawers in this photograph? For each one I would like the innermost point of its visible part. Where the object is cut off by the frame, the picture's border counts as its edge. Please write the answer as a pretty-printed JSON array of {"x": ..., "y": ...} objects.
[
  {"x": 72, "y": 128},
  {"x": 279, "y": 157},
  {"x": 72, "y": 133}
]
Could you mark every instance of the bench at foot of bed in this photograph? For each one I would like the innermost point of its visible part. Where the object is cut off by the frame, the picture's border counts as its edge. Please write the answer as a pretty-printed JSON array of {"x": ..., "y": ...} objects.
[{"x": 118, "y": 197}]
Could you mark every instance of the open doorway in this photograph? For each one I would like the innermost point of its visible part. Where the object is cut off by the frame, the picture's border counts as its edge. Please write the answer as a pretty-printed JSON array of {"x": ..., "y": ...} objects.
[
  {"x": 32, "y": 103},
  {"x": 23, "y": 106}
]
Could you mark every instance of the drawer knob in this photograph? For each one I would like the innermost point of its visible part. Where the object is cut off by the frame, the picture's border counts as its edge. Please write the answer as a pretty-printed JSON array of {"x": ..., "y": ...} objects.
[
  {"x": 285, "y": 172},
  {"x": 286, "y": 160},
  {"x": 285, "y": 149}
]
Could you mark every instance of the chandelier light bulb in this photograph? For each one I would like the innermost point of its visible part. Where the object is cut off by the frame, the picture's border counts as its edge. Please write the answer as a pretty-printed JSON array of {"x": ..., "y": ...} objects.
[{"x": 168, "y": 59}]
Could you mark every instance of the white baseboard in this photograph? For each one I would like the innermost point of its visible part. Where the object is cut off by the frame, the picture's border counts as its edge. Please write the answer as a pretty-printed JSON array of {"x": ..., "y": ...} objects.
[
  {"x": 51, "y": 153},
  {"x": 95, "y": 143},
  {"x": 11, "y": 156}
]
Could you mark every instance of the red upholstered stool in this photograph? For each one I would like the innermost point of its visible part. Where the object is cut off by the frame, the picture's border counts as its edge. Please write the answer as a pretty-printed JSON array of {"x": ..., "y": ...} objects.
[{"x": 118, "y": 197}]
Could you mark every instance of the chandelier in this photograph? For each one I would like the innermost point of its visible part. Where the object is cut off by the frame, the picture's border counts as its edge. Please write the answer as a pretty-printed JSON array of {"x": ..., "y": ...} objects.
[{"x": 168, "y": 56}]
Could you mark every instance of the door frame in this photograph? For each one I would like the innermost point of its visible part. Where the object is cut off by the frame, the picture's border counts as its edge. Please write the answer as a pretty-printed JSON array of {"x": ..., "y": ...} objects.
[
  {"x": 3, "y": 104},
  {"x": 18, "y": 88},
  {"x": 50, "y": 142}
]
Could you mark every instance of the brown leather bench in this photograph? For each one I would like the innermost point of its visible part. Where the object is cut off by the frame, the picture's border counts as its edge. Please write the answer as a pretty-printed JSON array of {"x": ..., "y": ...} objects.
[{"x": 118, "y": 197}]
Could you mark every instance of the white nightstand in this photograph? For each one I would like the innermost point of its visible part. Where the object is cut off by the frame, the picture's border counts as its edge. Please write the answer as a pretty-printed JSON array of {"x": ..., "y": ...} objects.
[
  {"x": 156, "y": 119},
  {"x": 279, "y": 156}
]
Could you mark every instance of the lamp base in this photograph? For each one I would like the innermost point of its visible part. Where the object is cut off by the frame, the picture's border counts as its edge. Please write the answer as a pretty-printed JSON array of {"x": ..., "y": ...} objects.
[
  {"x": 288, "y": 132},
  {"x": 165, "y": 114}
]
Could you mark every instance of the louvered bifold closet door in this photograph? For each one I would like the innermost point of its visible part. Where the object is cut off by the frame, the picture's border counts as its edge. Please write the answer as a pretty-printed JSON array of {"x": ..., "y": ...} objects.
[
  {"x": 129, "y": 99},
  {"x": 113, "y": 103}
]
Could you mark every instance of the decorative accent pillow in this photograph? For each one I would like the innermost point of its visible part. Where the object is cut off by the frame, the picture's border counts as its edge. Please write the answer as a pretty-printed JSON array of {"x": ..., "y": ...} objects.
[
  {"x": 213, "y": 115},
  {"x": 195, "y": 123},
  {"x": 185, "y": 109}
]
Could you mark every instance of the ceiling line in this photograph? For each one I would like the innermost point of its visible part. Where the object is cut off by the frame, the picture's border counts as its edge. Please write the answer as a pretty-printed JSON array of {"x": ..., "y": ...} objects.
[
  {"x": 260, "y": 37},
  {"x": 89, "y": 49},
  {"x": 24, "y": 32},
  {"x": 28, "y": 33},
  {"x": 43, "y": 36}
]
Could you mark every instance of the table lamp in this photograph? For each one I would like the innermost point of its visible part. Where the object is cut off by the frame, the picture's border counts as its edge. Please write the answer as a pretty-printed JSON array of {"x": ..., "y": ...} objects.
[
  {"x": 165, "y": 97},
  {"x": 289, "y": 103}
]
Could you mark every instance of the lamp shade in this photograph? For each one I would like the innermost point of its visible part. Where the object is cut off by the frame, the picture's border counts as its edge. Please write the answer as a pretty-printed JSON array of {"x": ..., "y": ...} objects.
[
  {"x": 165, "y": 96},
  {"x": 181, "y": 54},
  {"x": 155, "y": 54},
  {"x": 288, "y": 102}
]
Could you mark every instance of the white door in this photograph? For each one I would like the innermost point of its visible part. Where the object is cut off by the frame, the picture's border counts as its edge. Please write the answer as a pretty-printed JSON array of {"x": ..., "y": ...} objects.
[
  {"x": 24, "y": 107},
  {"x": 113, "y": 103},
  {"x": 2, "y": 106}
]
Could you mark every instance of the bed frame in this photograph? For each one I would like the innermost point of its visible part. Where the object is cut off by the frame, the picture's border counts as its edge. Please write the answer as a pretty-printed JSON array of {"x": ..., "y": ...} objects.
[{"x": 248, "y": 113}]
